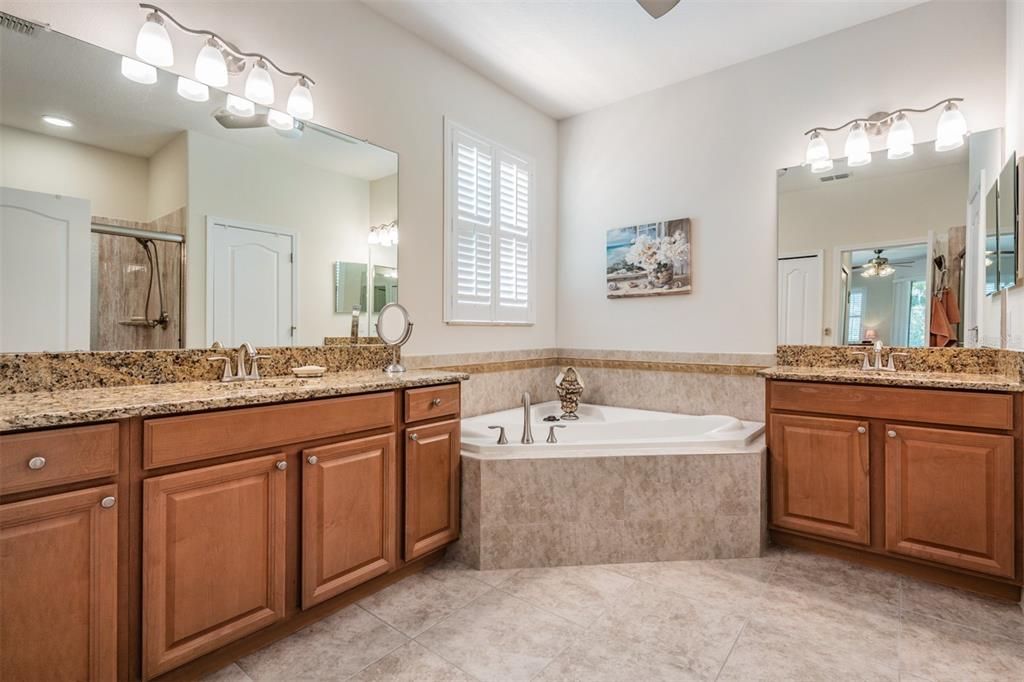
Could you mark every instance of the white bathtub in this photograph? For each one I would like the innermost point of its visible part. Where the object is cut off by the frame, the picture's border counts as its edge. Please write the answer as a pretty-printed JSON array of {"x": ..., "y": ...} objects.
[{"x": 602, "y": 430}]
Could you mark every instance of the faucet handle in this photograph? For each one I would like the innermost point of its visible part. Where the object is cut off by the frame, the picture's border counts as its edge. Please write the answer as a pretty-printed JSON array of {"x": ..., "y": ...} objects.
[
  {"x": 502, "y": 440},
  {"x": 254, "y": 371},
  {"x": 865, "y": 365},
  {"x": 226, "y": 374},
  {"x": 891, "y": 367},
  {"x": 551, "y": 432}
]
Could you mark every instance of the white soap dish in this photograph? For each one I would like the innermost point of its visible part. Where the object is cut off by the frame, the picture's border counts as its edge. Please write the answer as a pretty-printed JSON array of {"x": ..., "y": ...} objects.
[{"x": 309, "y": 371}]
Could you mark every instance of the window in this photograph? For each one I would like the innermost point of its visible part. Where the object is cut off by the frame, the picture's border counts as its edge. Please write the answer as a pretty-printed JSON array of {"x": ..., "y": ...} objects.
[
  {"x": 916, "y": 336},
  {"x": 855, "y": 317},
  {"x": 488, "y": 232}
]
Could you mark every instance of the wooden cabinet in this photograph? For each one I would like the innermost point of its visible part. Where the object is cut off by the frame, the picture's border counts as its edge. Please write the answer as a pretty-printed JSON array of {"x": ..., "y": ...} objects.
[
  {"x": 213, "y": 560},
  {"x": 58, "y": 587},
  {"x": 431, "y": 487},
  {"x": 950, "y": 497},
  {"x": 820, "y": 477},
  {"x": 349, "y": 515},
  {"x": 40, "y": 459}
]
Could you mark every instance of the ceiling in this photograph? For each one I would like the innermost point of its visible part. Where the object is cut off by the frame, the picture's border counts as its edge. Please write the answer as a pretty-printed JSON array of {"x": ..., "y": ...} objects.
[
  {"x": 50, "y": 73},
  {"x": 570, "y": 56}
]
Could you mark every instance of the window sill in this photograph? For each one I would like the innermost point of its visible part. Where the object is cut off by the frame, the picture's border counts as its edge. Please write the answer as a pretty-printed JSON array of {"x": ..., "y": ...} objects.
[{"x": 480, "y": 323}]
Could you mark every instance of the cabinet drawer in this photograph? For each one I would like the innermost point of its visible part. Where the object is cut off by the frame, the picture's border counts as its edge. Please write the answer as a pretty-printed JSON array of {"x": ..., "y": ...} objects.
[
  {"x": 47, "y": 458},
  {"x": 431, "y": 402},
  {"x": 953, "y": 408},
  {"x": 189, "y": 438}
]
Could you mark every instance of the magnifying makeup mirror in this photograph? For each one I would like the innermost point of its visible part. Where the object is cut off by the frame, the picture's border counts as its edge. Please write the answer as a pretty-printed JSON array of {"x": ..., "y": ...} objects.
[{"x": 394, "y": 328}]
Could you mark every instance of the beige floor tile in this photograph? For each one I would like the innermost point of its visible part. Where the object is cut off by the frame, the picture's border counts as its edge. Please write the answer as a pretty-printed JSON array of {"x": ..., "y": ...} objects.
[
  {"x": 500, "y": 637},
  {"x": 412, "y": 663},
  {"x": 231, "y": 673},
  {"x": 938, "y": 650},
  {"x": 416, "y": 603},
  {"x": 493, "y": 577},
  {"x": 957, "y": 606},
  {"x": 337, "y": 647},
  {"x": 576, "y": 593}
]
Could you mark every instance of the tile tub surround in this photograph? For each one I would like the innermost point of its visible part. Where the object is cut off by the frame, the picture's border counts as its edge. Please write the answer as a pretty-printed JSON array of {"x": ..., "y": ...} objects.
[
  {"x": 33, "y": 372},
  {"x": 520, "y": 513},
  {"x": 20, "y": 411}
]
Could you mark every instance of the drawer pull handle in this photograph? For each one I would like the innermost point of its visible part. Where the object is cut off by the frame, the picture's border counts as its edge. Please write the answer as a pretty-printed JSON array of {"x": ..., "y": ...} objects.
[
  {"x": 282, "y": 465},
  {"x": 108, "y": 502},
  {"x": 862, "y": 429},
  {"x": 312, "y": 459},
  {"x": 436, "y": 402},
  {"x": 891, "y": 434},
  {"x": 415, "y": 436},
  {"x": 37, "y": 463}
]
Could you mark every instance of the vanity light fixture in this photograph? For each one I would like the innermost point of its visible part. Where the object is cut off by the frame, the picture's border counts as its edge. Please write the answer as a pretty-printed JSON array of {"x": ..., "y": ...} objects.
[
  {"x": 216, "y": 62},
  {"x": 137, "y": 71},
  {"x": 383, "y": 235},
  {"x": 240, "y": 106},
  {"x": 949, "y": 134},
  {"x": 193, "y": 91},
  {"x": 58, "y": 121},
  {"x": 280, "y": 120}
]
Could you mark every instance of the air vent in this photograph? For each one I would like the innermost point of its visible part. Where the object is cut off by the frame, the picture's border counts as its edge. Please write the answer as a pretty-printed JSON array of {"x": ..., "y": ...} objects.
[
  {"x": 837, "y": 176},
  {"x": 9, "y": 21}
]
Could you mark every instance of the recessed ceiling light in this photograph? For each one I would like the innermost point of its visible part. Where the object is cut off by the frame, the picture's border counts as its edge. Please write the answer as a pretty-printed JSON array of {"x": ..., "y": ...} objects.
[{"x": 58, "y": 121}]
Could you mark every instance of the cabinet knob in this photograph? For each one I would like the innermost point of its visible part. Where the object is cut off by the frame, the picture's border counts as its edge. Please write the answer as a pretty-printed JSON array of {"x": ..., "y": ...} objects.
[
  {"x": 891, "y": 434},
  {"x": 436, "y": 402},
  {"x": 282, "y": 465},
  {"x": 414, "y": 436},
  {"x": 862, "y": 429},
  {"x": 108, "y": 502},
  {"x": 37, "y": 463},
  {"x": 312, "y": 459}
]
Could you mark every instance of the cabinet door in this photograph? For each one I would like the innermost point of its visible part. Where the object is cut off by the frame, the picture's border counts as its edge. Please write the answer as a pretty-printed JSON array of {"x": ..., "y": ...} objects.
[
  {"x": 58, "y": 587},
  {"x": 949, "y": 498},
  {"x": 819, "y": 475},
  {"x": 213, "y": 559},
  {"x": 349, "y": 515},
  {"x": 431, "y": 487}
]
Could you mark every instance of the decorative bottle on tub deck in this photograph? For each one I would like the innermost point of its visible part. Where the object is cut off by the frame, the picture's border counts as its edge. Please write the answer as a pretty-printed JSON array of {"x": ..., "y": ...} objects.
[{"x": 570, "y": 388}]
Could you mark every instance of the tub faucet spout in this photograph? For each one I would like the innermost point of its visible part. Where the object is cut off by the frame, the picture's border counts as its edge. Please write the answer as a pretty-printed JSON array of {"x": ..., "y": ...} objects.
[{"x": 527, "y": 438}]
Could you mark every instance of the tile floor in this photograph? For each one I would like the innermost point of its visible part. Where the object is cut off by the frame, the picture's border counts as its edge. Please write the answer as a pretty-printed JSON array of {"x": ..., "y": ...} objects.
[{"x": 788, "y": 616}]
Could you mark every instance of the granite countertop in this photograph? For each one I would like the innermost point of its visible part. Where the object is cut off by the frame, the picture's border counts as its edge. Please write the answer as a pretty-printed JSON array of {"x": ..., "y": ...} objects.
[
  {"x": 843, "y": 375},
  {"x": 57, "y": 408}
]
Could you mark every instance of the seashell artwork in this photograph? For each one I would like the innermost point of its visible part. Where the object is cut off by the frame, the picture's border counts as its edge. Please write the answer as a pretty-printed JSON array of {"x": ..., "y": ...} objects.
[{"x": 570, "y": 388}]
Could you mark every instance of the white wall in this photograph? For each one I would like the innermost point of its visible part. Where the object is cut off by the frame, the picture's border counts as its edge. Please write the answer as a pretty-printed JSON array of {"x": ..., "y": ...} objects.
[
  {"x": 168, "y": 177},
  {"x": 708, "y": 149},
  {"x": 376, "y": 81}
]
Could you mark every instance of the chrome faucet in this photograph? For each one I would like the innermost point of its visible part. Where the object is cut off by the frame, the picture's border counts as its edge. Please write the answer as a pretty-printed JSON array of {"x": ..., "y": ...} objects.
[
  {"x": 877, "y": 347},
  {"x": 527, "y": 438},
  {"x": 246, "y": 368}
]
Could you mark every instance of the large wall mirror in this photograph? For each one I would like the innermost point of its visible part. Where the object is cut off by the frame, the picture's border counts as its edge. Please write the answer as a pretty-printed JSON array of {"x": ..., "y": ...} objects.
[
  {"x": 132, "y": 217},
  {"x": 897, "y": 251}
]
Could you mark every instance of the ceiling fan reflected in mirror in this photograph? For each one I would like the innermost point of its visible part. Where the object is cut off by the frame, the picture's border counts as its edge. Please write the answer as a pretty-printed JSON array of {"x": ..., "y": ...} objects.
[
  {"x": 657, "y": 8},
  {"x": 879, "y": 266}
]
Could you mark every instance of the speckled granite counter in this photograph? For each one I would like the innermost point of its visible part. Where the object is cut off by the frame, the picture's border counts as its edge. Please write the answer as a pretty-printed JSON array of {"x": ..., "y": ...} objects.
[
  {"x": 837, "y": 375},
  {"x": 58, "y": 408}
]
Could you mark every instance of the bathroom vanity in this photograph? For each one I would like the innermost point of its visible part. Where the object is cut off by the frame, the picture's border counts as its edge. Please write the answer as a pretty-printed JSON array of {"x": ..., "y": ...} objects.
[
  {"x": 168, "y": 545},
  {"x": 904, "y": 472}
]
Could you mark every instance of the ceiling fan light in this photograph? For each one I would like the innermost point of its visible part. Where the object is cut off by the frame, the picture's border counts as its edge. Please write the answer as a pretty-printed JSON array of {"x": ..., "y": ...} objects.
[
  {"x": 210, "y": 65},
  {"x": 901, "y": 138},
  {"x": 869, "y": 270},
  {"x": 858, "y": 147},
  {"x": 300, "y": 101},
  {"x": 259, "y": 86},
  {"x": 153, "y": 44},
  {"x": 952, "y": 127},
  {"x": 137, "y": 71},
  {"x": 817, "y": 149},
  {"x": 192, "y": 91},
  {"x": 280, "y": 120}
]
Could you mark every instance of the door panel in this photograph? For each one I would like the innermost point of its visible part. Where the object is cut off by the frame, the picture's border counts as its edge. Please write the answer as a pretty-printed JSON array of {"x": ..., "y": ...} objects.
[
  {"x": 820, "y": 473},
  {"x": 431, "y": 487},
  {"x": 349, "y": 515},
  {"x": 58, "y": 586},
  {"x": 949, "y": 498},
  {"x": 213, "y": 558},
  {"x": 800, "y": 300}
]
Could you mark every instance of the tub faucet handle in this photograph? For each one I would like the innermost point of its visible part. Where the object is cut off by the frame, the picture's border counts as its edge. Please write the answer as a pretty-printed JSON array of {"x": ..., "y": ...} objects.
[
  {"x": 502, "y": 440},
  {"x": 551, "y": 432}
]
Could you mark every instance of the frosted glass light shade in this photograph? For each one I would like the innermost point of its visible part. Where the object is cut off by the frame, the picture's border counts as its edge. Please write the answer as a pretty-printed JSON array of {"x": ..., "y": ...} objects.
[
  {"x": 153, "y": 45},
  {"x": 821, "y": 166},
  {"x": 259, "y": 86},
  {"x": 858, "y": 147},
  {"x": 373, "y": 237},
  {"x": 300, "y": 101},
  {"x": 280, "y": 120},
  {"x": 817, "y": 149},
  {"x": 393, "y": 234},
  {"x": 239, "y": 106},
  {"x": 211, "y": 67},
  {"x": 901, "y": 139},
  {"x": 191, "y": 90},
  {"x": 949, "y": 134},
  {"x": 137, "y": 71}
]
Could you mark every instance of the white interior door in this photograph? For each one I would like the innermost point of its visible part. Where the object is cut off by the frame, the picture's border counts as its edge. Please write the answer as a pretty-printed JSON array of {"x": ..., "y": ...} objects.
[
  {"x": 800, "y": 299},
  {"x": 250, "y": 284},
  {"x": 44, "y": 272}
]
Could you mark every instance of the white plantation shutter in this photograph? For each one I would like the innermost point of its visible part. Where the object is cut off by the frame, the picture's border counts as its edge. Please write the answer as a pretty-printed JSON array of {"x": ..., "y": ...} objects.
[{"x": 488, "y": 240}]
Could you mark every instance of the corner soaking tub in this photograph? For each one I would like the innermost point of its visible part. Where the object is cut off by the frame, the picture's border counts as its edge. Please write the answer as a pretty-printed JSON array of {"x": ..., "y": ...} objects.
[
  {"x": 621, "y": 485},
  {"x": 601, "y": 429}
]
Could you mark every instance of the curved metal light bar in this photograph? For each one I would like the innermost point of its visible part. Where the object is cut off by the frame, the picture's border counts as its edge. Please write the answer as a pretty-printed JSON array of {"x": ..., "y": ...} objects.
[{"x": 883, "y": 116}]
